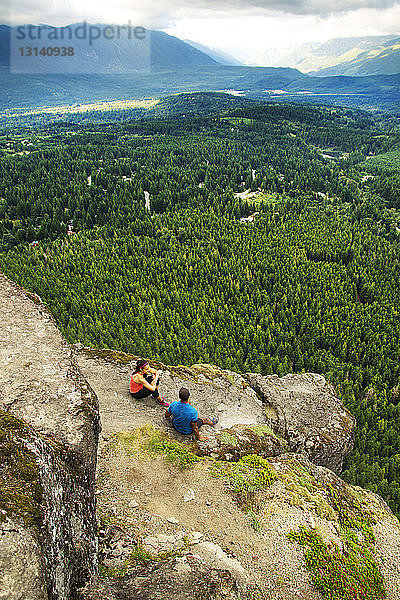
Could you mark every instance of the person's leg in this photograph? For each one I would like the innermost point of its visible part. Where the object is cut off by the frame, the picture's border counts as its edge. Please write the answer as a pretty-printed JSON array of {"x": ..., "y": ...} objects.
[
  {"x": 143, "y": 393},
  {"x": 156, "y": 393},
  {"x": 205, "y": 421}
]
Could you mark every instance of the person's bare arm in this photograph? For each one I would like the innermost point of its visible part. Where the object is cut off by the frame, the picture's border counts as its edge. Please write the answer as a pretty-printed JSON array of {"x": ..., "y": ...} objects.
[
  {"x": 167, "y": 414},
  {"x": 195, "y": 428},
  {"x": 149, "y": 386},
  {"x": 155, "y": 374}
]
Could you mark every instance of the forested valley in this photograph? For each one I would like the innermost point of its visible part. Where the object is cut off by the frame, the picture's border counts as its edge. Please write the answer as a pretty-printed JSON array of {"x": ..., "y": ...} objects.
[{"x": 260, "y": 238}]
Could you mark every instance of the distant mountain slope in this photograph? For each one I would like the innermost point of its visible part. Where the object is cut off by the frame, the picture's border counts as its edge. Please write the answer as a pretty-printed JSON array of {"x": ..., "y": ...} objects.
[
  {"x": 170, "y": 51},
  {"x": 4, "y": 45},
  {"x": 354, "y": 56},
  {"x": 379, "y": 60},
  {"x": 156, "y": 50},
  {"x": 285, "y": 56}
]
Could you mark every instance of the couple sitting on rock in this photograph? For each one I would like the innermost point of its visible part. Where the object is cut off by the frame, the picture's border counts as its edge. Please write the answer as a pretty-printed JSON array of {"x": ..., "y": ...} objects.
[{"x": 183, "y": 416}]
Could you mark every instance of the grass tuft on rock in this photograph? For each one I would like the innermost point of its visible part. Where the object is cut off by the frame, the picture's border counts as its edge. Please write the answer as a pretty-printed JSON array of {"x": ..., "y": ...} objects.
[{"x": 149, "y": 439}]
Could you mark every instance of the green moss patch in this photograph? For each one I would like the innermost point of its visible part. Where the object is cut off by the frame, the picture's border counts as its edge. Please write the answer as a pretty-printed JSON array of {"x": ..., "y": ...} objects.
[
  {"x": 227, "y": 438},
  {"x": 303, "y": 488},
  {"x": 262, "y": 430},
  {"x": 20, "y": 488},
  {"x": 254, "y": 521},
  {"x": 137, "y": 556},
  {"x": 266, "y": 430},
  {"x": 174, "y": 452},
  {"x": 112, "y": 355}
]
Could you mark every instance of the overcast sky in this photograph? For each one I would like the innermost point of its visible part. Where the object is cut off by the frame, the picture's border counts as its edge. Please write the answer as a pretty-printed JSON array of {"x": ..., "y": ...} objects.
[{"x": 245, "y": 28}]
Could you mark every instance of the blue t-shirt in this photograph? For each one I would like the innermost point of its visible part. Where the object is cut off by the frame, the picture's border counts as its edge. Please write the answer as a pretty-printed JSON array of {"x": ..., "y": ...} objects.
[{"x": 183, "y": 414}]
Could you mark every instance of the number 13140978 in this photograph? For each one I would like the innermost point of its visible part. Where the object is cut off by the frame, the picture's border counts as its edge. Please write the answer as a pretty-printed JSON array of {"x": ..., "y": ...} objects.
[{"x": 46, "y": 51}]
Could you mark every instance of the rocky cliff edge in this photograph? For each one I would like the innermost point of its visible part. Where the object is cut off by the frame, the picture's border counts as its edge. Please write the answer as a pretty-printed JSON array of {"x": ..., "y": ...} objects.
[{"x": 254, "y": 512}]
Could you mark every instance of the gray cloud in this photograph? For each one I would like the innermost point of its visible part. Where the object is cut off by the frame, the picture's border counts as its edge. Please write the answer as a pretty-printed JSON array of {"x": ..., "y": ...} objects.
[
  {"x": 295, "y": 7},
  {"x": 162, "y": 13}
]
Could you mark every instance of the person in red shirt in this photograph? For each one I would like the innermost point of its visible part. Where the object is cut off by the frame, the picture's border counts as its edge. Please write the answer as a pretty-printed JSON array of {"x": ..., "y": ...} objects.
[{"x": 144, "y": 382}]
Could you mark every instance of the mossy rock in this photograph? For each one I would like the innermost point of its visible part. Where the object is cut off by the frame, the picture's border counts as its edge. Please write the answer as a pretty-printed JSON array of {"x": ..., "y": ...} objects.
[
  {"x": 20, "y": 488},
  {"x": 238, "y": 441},
  {"x": 121, "y": 358},
  {"x": 21, "y": 492}
]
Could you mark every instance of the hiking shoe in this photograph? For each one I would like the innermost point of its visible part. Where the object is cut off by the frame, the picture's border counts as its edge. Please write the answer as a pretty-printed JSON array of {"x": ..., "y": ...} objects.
[
  {"x": 215, "y": 420},
  {"x": 161, "y": 400}
]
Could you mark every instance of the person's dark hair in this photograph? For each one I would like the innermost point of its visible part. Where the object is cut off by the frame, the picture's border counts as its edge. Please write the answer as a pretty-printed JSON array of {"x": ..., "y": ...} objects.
[
  {"x": 184, "y": 394},
  {"x": 140, "y": 364}
]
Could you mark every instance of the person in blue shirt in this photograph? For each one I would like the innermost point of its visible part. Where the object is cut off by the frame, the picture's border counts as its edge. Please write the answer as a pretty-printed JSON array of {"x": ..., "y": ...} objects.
[{"x": 185, "y": 417}]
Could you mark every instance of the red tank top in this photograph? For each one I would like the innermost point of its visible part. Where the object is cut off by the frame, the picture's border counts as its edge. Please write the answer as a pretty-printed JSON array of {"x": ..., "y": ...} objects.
[{"x": 134, "y": 387}]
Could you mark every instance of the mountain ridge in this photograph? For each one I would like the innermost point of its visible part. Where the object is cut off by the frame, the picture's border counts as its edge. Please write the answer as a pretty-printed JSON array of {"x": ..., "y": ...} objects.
[
  {"x": 354, "y": 56},
  {"x": 124, "y": 51}
]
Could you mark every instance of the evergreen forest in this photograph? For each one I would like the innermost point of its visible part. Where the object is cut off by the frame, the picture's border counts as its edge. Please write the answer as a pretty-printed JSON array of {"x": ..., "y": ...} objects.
[{"x": 258, "y": 237}]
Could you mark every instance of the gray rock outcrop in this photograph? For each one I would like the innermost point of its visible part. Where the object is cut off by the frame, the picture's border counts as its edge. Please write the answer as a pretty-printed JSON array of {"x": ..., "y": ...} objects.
[
  {"x": 21, "y": 564},
  {"x": 49, "y": 425},
  {"x": 305, "y": 411},
  {"x": 216, "y": 392}
]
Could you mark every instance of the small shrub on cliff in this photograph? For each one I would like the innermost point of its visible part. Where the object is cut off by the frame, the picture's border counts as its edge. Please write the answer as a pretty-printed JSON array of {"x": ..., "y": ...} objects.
[
  {"x": 174, "y": 452},
  {"x": 246, "y": 476}
]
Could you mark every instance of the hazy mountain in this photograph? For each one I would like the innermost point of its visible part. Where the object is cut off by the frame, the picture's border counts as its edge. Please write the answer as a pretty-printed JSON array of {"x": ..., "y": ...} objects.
[
  {"x": 218, "y": 55},
  {"x": 374, "y": 55},
  {"x": 4, "y": 45},
  {"x": 354, "y": 56},
  {"x": 290, "y": 56},
  {"x": 170, "y": 51},
  {"x": 367, "y": 59}
]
